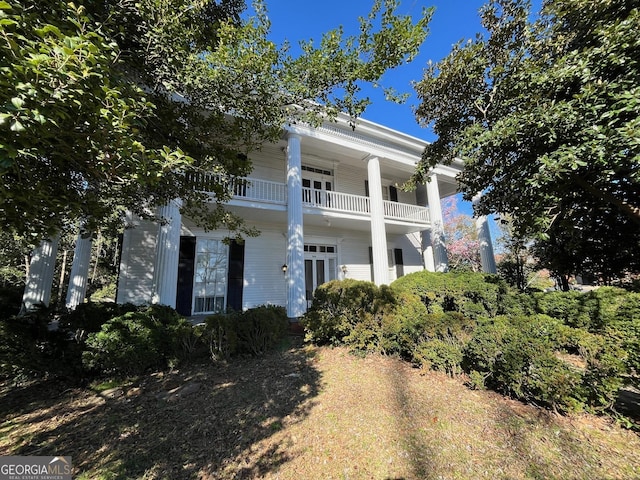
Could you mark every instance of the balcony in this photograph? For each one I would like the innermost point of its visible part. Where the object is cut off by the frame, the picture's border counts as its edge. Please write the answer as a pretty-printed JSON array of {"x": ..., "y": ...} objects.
[{"x": 264, "y": 191}]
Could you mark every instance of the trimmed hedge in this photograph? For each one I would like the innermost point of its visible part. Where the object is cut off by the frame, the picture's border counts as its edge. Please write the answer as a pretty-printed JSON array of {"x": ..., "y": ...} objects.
[
  {"x": 473, "y": 295},
  {"x": 473, "y": 323},
  {"x": 608, "y": 311},
  {"x": 348, "y": 308},
  {"x": 542, "y": 360}
]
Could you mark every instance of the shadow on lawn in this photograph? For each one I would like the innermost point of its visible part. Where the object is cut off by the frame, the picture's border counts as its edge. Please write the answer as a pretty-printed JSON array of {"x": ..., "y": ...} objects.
[
  {"x": 420, "y": 454},
  {"x": 220, "y": 431}
]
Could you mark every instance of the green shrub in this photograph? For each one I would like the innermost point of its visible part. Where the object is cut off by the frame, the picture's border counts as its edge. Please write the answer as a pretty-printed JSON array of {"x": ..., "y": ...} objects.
[
  {"x": 608, "y": 311},
  {"x": 149, "y": 338},
  {"x": 472, "y": 294},
  {"x": 341, "y": 305},
  {"x": 443, "y": 354},
  {"x": 221, "y": 335},
  {"x": 569, "y": 307},
  {"x": 254, "y": 331},
  {"x": 10, "y": 300},
  {"x": 30, "y": 349},
  {"x": 261, "y": 328},
  {"x": 529, "y": 358},
  {"x": 89, "y": 317}
]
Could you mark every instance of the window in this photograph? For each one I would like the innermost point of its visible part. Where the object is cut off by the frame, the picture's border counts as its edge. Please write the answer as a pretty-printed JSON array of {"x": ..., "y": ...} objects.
[{"x": 210, "y": 276}]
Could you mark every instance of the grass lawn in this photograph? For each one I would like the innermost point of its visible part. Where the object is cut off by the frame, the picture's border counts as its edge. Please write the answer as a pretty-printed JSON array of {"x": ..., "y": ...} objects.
[{"x": 308, "y": 413}]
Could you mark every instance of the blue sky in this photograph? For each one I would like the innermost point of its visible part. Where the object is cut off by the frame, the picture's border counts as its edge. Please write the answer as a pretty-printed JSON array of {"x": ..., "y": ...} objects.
[{"x": 452, "y": 21}]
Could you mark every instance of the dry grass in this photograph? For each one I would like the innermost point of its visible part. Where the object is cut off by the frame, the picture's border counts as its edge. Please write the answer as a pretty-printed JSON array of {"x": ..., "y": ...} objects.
[{"x": 310, "y": 413}]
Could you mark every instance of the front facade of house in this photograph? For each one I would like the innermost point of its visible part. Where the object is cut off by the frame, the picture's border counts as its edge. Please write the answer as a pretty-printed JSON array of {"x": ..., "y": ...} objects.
[{"x": 328, "y": 206}]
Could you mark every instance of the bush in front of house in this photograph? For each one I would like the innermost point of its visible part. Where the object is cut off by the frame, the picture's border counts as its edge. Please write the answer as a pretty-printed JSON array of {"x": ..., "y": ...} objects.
[
  {"x": 539, "y": 359},
  {"x": 254, "y": 331},
  {"x": 30, "y": 349},
  {"x": 608, "y": 311},
  {"x": 348, "y": 312},
  {"x": 474, "y": 295},
  {"x": 89, "y": 317},
  {"x": 151, "y": 337}
]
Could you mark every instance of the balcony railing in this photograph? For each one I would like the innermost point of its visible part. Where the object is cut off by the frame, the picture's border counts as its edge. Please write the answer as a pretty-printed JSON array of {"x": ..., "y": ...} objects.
[{"x": 276, "y": 192}]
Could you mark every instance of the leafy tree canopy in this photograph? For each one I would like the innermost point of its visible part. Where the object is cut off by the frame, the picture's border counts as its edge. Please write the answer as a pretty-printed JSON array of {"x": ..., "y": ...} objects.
[
  {"x": 544, "y": 113},
  {"x": 114, "y": 105}
]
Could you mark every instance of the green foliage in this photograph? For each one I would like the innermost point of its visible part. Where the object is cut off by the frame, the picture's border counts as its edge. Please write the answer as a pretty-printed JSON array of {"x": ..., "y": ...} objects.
[
  {"x": 611, "y": 312},
  {"x": 154, "y": 82},
  {"x": 348, "y": 311},
  {"x": 89, "y": 317},
  {"x": 528, "y": 358},
  {"x": 30, "y": 349},
  {"x": 472, "y": 294},
  {"x": 137, "y": 341},
  {"x": 448, "y": 322},
  {"x": 10, "y": 300},
  {"x": 262, "y": 328},
  {"x": 543, "y": 111},
  {"x": 253, "y": 332}
]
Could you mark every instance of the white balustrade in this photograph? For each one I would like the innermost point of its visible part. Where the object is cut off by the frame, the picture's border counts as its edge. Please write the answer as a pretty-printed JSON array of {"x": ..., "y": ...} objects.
[{"x": 276, "y": 192}]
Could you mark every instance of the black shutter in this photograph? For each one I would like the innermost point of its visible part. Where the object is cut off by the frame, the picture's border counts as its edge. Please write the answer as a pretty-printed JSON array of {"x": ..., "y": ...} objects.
[
  {"x": 371, "y": 261},
  {"x": 366, "y": 188},
  {"x": 186, "y": 263},
  {"x": 393, "y": 193},
  {"x": 235, "y": 278},
  {"x": 397, "y": 255}
]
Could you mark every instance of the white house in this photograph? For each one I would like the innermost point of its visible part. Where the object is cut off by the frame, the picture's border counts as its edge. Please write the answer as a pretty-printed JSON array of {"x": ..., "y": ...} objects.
[{"x": 328, "y": 205}]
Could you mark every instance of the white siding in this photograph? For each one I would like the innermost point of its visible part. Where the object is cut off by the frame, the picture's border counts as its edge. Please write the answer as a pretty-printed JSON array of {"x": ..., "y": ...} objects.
[
  {"x": 355, "y": 255},
  {"x": 135, "y": 281},
  {"x": 268, "y": 166},
  {"x": 264, "y": 282},
  {"x": 350, "y": 179}
]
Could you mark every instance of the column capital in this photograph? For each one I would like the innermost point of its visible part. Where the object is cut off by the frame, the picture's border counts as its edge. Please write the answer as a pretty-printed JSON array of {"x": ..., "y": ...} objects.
[{"x": 293, "y": 131}]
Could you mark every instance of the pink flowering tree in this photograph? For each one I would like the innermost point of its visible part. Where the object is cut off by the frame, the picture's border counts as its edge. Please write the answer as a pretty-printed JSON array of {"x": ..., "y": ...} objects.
[{"x": 463, "y": 248}]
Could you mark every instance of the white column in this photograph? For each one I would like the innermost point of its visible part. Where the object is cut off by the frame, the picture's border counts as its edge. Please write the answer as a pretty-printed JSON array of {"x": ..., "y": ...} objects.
[
  {"x": 487, "y": 258},
  {"x": 165, "y": 274},
  {"x": 440, "y": 261},
  {"x": 425, "y": 235},
  {"x": 296, "y": 298},
  {"x": 41, "y": 270},
  {"x": 378, "y": 233},
  {"x": 79, "y": 270}
]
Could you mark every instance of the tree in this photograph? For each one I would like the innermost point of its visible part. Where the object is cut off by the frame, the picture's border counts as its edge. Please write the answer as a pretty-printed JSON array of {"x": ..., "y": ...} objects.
[
  {"x": 463, "y": 247},
  {"x": 117, "y": 105},
  {"x": 545, "y": 115}
]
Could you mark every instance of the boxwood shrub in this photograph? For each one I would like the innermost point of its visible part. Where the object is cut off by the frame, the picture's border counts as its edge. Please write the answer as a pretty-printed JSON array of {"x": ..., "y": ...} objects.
[
  {"x": 473, "y": 295},
  {"x": 541, "y": 360},
  {"x": 348, "y": 311}
]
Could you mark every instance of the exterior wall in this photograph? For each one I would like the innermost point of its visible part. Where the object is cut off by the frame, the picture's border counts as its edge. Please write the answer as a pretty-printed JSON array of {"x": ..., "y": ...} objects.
[
  {"x": 264, "y": 282},
  {"x": 135, "y": 280},
  {"x": 268, "y": 166}
]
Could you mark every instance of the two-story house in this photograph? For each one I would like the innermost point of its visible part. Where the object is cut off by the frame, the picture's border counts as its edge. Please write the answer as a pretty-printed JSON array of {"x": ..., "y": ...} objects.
[{"x": 328, "y": 205}]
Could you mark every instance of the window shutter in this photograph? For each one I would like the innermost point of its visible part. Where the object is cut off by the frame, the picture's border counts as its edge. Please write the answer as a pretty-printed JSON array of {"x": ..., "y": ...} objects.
[
  {"x": 235, "y": 276},
  {"x": 186, "y": 260},
  {"x": 397, "y": 255}
]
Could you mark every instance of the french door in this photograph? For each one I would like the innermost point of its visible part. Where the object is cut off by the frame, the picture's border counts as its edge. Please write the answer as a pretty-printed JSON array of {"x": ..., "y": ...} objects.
[{"x": 320, "y": 266}]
